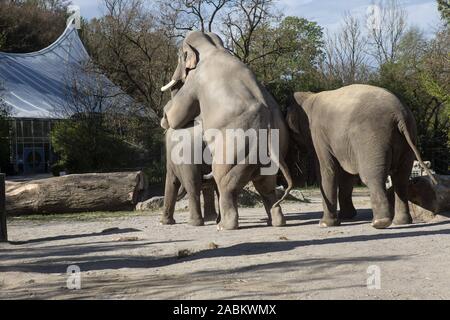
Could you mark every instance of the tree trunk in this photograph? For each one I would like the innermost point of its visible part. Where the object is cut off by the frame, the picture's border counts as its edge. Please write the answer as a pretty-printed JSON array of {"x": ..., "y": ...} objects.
[
  {"x": 76, "y": 193},
  {"x": 3, "y": 227}
]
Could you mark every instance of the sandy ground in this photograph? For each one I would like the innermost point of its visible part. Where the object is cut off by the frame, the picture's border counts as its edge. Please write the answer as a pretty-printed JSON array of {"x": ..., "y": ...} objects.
[{"x": 300, "y": 261}]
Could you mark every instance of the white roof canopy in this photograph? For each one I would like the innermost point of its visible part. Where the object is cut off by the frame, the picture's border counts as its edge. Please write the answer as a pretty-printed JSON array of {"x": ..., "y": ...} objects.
[{"x": 38, "y": 84}]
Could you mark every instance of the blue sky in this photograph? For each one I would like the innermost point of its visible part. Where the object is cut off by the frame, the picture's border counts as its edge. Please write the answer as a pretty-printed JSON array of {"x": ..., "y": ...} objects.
[{"x": 328, "y": 13}]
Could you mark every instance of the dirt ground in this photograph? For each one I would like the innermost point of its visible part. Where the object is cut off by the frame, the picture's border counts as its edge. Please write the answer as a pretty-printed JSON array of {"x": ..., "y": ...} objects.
[{"x": 140, "y": 259}]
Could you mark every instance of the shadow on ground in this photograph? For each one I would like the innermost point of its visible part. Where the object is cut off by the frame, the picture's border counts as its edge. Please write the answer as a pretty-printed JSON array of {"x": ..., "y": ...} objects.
[
  {"x": 55, "y": 259},
  {"x": 228, "y": 282},
  {"x": 75, "y": 236}
]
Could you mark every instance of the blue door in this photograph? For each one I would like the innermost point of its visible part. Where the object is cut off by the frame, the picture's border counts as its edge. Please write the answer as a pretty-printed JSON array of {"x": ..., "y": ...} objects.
[{"x": 34, "y": 160}]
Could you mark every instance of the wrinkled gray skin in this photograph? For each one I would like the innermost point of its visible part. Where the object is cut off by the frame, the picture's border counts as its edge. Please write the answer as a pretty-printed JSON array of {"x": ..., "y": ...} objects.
[
  {"x": 354, "y": 130},
  {"x": 226, "y": 93},
  {"x": 182, "y": 179}
]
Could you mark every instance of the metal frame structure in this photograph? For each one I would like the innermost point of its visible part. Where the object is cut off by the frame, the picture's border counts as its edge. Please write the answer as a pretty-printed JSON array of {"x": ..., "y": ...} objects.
[{"x": 30, "y": 145}]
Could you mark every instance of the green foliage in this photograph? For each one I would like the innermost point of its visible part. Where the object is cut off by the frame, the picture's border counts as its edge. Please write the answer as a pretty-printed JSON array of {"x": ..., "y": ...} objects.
[
  {"x": 30, "y": 25},
  {"x": 87, "y": 145},
  {"x": 292, "y": 53},
  {"x": 419, "y": 78},
  {"x": 444, "y": 9}
]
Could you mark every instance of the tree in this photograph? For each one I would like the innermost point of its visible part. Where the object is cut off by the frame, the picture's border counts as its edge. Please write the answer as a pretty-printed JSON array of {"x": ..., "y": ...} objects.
[
  {"x": 237, "y": 21},
  {"x": 346, "y": 58},
  {"x": 186, "y": 15},
  {"x": 385, "y": 34},
  {"x": 89, "y": 140},
  {"x": 444, "y": 9},
  {"x": 31, "y": 25},
  {"x": 241, "y": 25},
  {"x": 131, "y": 47},
  {"x": 286, "y": 57},
  {"x": 420, "y": 79}
]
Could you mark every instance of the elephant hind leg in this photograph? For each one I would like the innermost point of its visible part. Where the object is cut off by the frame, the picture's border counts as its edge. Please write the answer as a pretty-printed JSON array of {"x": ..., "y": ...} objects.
[
  {"x": 266, "y": 187},
  {"x": 400, "y": 181},
  {"x": 328, "y": 187},
  {"x": 230, "y": 181},
  {"x": 375, "y": 179},
  {"x": 347, "y": 209}
]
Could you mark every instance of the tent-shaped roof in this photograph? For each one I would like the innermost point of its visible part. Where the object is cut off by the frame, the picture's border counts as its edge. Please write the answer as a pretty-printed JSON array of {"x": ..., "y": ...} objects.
[{"x": 37, "y": 85}]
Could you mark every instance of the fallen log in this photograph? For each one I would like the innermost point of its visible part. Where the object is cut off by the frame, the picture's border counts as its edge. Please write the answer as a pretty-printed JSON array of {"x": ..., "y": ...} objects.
[
  {"x": 76, "y": 193},
  {"x": 426, "y": 200}
]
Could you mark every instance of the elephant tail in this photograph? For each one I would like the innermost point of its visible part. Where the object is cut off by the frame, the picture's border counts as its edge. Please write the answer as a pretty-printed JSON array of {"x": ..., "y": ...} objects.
[
  {"x": 284, "y": 170},
  {"x": 287, "y": 175},
  {"x": 181, "y": 193},
  {"x": 404, "y": 130}
]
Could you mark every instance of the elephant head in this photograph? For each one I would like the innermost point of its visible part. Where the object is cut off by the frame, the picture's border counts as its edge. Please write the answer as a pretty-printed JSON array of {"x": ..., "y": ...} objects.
[
  {"x": 197, "y": 45},
  {"x": 297, "y": 119}
]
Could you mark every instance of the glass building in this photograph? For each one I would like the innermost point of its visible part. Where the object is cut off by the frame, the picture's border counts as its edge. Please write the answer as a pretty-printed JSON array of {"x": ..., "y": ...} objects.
[
  {"x": 30, "y": 146},
  {"x": 38, "y": 89}
]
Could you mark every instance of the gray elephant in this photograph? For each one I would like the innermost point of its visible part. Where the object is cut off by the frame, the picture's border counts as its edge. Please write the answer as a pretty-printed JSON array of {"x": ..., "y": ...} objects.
[
  {"x": 358, "y": 129},
  {"x": 187, "y": 178},
  {"x": 226, "y": 94}
]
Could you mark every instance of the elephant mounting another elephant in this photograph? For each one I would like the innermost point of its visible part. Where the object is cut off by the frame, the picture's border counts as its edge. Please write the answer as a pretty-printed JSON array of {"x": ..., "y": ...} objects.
[
  {"x": 358, "y": 130},
  {"x": 214, "y": 84}
]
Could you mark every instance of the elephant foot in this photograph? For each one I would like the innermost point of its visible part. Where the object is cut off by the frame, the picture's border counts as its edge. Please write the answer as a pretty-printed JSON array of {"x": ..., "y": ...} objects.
[
  {"x": 328, "y": 223},
  {"x": 196, "y": 222},
  {"x": 347, "y": 214},
  {"x": 167, "y": 221},
  {"x": 381, "y": 223},
  {"x": 402, "y": 219},
  {"x": 277, "y": 218},
  {"x": 228, "y": 225}
]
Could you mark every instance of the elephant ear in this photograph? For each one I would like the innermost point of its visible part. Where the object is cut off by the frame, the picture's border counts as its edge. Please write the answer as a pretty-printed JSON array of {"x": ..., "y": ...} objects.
[
  {"x": 190, "y": 57},
  {"x": 301, "y": 97},
  {"x": 217, "y": 41}
]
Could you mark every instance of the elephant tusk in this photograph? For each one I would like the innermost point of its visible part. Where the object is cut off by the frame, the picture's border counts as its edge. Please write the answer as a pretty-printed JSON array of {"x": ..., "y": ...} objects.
[{"x": 168, "y": 86}]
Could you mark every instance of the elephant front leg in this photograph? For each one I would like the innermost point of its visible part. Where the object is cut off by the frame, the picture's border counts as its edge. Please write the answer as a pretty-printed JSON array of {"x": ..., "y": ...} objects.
[
  {"x": 347, "y": 210},
  {"x": 170, "y": 198},
  {"x": 195, "y": 210},
  {"x": 329, "y": 199}
]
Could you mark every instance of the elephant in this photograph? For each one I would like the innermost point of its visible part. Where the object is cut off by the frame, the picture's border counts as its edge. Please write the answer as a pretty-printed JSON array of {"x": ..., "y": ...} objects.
[
  {"x": 187, "y": 178},
  {"x": 226, "y": 94},
  {"x": 358, "y": 130}
]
